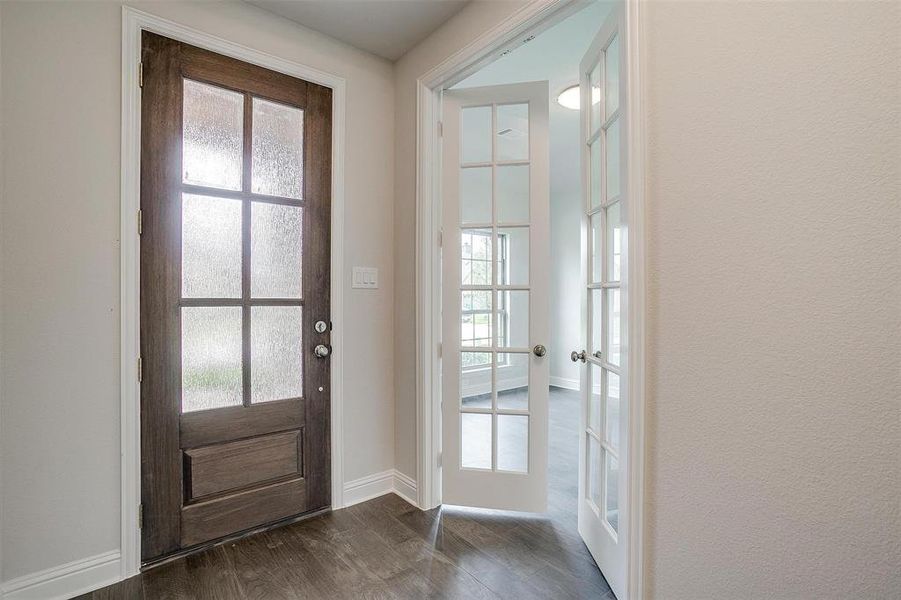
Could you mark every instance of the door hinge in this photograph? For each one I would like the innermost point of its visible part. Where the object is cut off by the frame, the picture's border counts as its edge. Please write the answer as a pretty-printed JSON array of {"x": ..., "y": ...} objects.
[
  {"x": 140, "y": 369},
  {"x": 439, "y": 349},
  {"x": 140, "y": 516},
  {"x": 441, "y": 129},
  {"x": 140, "y": 74},
  {"x": 440, "y": 238},
  {"x": 140, "y": 222},
  {"x": 439, "y": 459}
]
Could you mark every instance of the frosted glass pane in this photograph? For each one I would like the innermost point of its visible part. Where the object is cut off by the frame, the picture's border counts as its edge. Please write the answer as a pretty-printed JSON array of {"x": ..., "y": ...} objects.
[
  {"x": 594, "y": 165},
  {"x": 475, "y": 379},
  {"x": 611, "y": 76},
  {"x": 614, "y": 243},
  {"x": 210, "y": 357},
  {"x": 212, "y": 136},
  {"x": 513, "y": 319},
  {"x": 612, "y": 410},
  {"x": 210, "y": 247},
  {"x": 476, "y": 250},
  {"x": 513, "y": 381},
  {"x": 513, "y": 256},
  {"x": 597, "y": 322},
  {"x": 277, "y": 155},
  {"x": 594, "y": 471},
  {"x": 513, "y": 194},
  {"x": 475, "y": 195},
  {"x": 513, "y": 443},
  {"x": 594, "y": 406},
  {"x": 276, "y": 250},
  {"x": 276, "y": 353},
  {"x": 613, "y": 324},
  {"x": 475, "y": 318},
  {"x": 613, "y": 150},
  {"x": 476, "y": 134},
  {"x": 513, "y": 132},
  {"x": 612, "y": 491},
  {"x": 475, "y": 441},
  {"x": 594, "y": 81},
  {"x": 596, "y": 241}
]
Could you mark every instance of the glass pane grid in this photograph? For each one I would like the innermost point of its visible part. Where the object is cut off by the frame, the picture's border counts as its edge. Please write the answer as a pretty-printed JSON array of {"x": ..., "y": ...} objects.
[
  {"x": 257, "y": 291},
  {"x": 494, "y": 275}
]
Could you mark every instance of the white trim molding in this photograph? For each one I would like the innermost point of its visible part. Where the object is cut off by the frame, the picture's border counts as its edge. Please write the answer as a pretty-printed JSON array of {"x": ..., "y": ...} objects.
[
  {"x": 66, "y": 581},
  {"x": 372, "y": 486},
  {"x": 133, "y": 22},
  {"x": 564, "y": 382}
]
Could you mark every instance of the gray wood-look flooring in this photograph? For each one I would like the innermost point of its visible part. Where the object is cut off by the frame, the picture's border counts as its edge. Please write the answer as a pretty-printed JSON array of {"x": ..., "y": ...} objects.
[{"x": 385, "y": 548}]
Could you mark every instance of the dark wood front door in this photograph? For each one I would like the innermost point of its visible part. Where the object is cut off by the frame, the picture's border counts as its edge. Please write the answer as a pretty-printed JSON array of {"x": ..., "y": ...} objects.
[{"x": 235, "y": 203}]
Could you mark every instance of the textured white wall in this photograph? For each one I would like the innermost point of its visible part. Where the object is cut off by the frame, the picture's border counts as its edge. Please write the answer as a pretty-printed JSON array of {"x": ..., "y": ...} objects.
[
  {"x": 774, "y": 300},
  {"x": 60, "y": 262}
]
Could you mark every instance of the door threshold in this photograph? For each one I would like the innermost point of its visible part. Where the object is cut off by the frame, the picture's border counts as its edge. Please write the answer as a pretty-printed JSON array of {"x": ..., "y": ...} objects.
[{"x": 156, "y": 562}]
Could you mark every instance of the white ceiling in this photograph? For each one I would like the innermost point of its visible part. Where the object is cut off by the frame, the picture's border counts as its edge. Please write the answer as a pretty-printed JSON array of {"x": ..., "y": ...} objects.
[{"x": 387, "y": 28}]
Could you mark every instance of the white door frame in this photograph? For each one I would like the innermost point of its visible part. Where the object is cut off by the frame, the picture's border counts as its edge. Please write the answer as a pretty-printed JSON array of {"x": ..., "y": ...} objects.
[
  {"x": 133, "y": 22},
  {"x": 510, "y": 33}
]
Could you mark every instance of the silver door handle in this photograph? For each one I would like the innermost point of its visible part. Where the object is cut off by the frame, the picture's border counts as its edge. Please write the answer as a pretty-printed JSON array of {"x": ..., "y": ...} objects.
[
  {"x": 577, "y": 356},
  {"x": 539, "y": 350},
  {"x": 322, "y": 351}
]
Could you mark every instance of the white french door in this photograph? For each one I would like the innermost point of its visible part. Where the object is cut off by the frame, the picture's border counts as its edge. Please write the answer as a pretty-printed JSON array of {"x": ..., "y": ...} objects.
[
  {"x": 602, "y": 516},
  {"x": 495, "y": 258}
]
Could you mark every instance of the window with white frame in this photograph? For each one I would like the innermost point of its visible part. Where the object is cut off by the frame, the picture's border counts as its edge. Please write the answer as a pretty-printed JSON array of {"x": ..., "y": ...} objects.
[{"x": 476, "y": 309}]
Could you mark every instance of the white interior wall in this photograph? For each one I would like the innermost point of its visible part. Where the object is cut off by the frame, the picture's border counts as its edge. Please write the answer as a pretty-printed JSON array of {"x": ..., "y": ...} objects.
[
  {"x": 554, "y": 56},
  {"x": 59, "y": 224},
  {"x": 774, "y": 299}
]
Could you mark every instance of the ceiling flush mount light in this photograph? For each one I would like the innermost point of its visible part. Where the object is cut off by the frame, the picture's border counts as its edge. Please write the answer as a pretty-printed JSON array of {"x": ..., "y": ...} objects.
[{"x": 569, "y": 98}]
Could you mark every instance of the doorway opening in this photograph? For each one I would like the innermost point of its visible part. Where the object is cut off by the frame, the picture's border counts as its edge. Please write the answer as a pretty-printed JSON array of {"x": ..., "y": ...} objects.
[{"x": 533, "y": 288}]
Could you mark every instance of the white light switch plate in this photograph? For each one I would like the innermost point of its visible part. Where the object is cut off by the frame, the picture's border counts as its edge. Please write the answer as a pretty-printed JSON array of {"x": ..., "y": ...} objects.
[{"x": 366, "y": 277}]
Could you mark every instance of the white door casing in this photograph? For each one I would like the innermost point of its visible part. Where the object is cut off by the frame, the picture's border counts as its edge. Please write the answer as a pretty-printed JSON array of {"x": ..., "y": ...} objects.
[
  {"x": 495, "y": 261},
  {"x": 603, "y": 518}
]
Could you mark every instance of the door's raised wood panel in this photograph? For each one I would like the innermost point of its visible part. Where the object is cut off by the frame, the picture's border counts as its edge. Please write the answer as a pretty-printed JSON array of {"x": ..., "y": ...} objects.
[
  {"x": 207, "y": 427},
  {"x": 216, "y": 518},
  {"x": 223, "y": 467}
]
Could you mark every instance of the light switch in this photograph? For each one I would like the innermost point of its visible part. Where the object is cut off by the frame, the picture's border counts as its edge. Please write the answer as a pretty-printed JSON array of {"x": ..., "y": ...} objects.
[{"x": 365, "y": 277}]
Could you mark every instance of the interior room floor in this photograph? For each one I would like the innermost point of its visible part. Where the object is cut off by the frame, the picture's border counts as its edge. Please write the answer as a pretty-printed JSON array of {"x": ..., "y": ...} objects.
[{"x": 385, "y": 548}]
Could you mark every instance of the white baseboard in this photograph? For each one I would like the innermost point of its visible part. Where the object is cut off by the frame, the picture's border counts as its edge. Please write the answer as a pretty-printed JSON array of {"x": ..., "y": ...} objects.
[
  {"x": 379, "y": 484},
  {"x": 66, "y": 581},
  {"x": 565, "y": 383},
  {"x": 405, "y": 487}
]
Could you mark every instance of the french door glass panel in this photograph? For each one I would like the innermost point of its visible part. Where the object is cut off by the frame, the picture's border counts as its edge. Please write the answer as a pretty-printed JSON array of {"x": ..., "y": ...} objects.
[
  {"x": 497, "y": 193},
  {"x": 241, "y": 315},
  {"x": 605, "y": 267}
]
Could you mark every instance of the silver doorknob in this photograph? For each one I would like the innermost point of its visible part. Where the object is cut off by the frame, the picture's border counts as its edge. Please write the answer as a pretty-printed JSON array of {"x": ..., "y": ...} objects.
[
  {"x": 539, "y": 350},
  {"x": 321, "y": 351},
  {"x": 577, "y": 356}
]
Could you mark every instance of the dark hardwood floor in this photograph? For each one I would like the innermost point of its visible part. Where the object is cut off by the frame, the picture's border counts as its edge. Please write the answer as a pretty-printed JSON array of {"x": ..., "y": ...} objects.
[{"x": 385, "y": 548}]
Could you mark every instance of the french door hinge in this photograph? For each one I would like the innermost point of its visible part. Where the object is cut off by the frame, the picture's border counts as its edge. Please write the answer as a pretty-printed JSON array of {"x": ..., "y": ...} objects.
[
  {"x": 141, "y": 516},
  {"x": 140, "y": 369},
  {"x": 439, "y": 459},
  {"x": 440, "y": 238},
  {"x": 441, "y": 129},
  {"x": 140, "y": 74},
  {"x": 140, "y": 221},
  {"x": 439, "y": 349}
]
